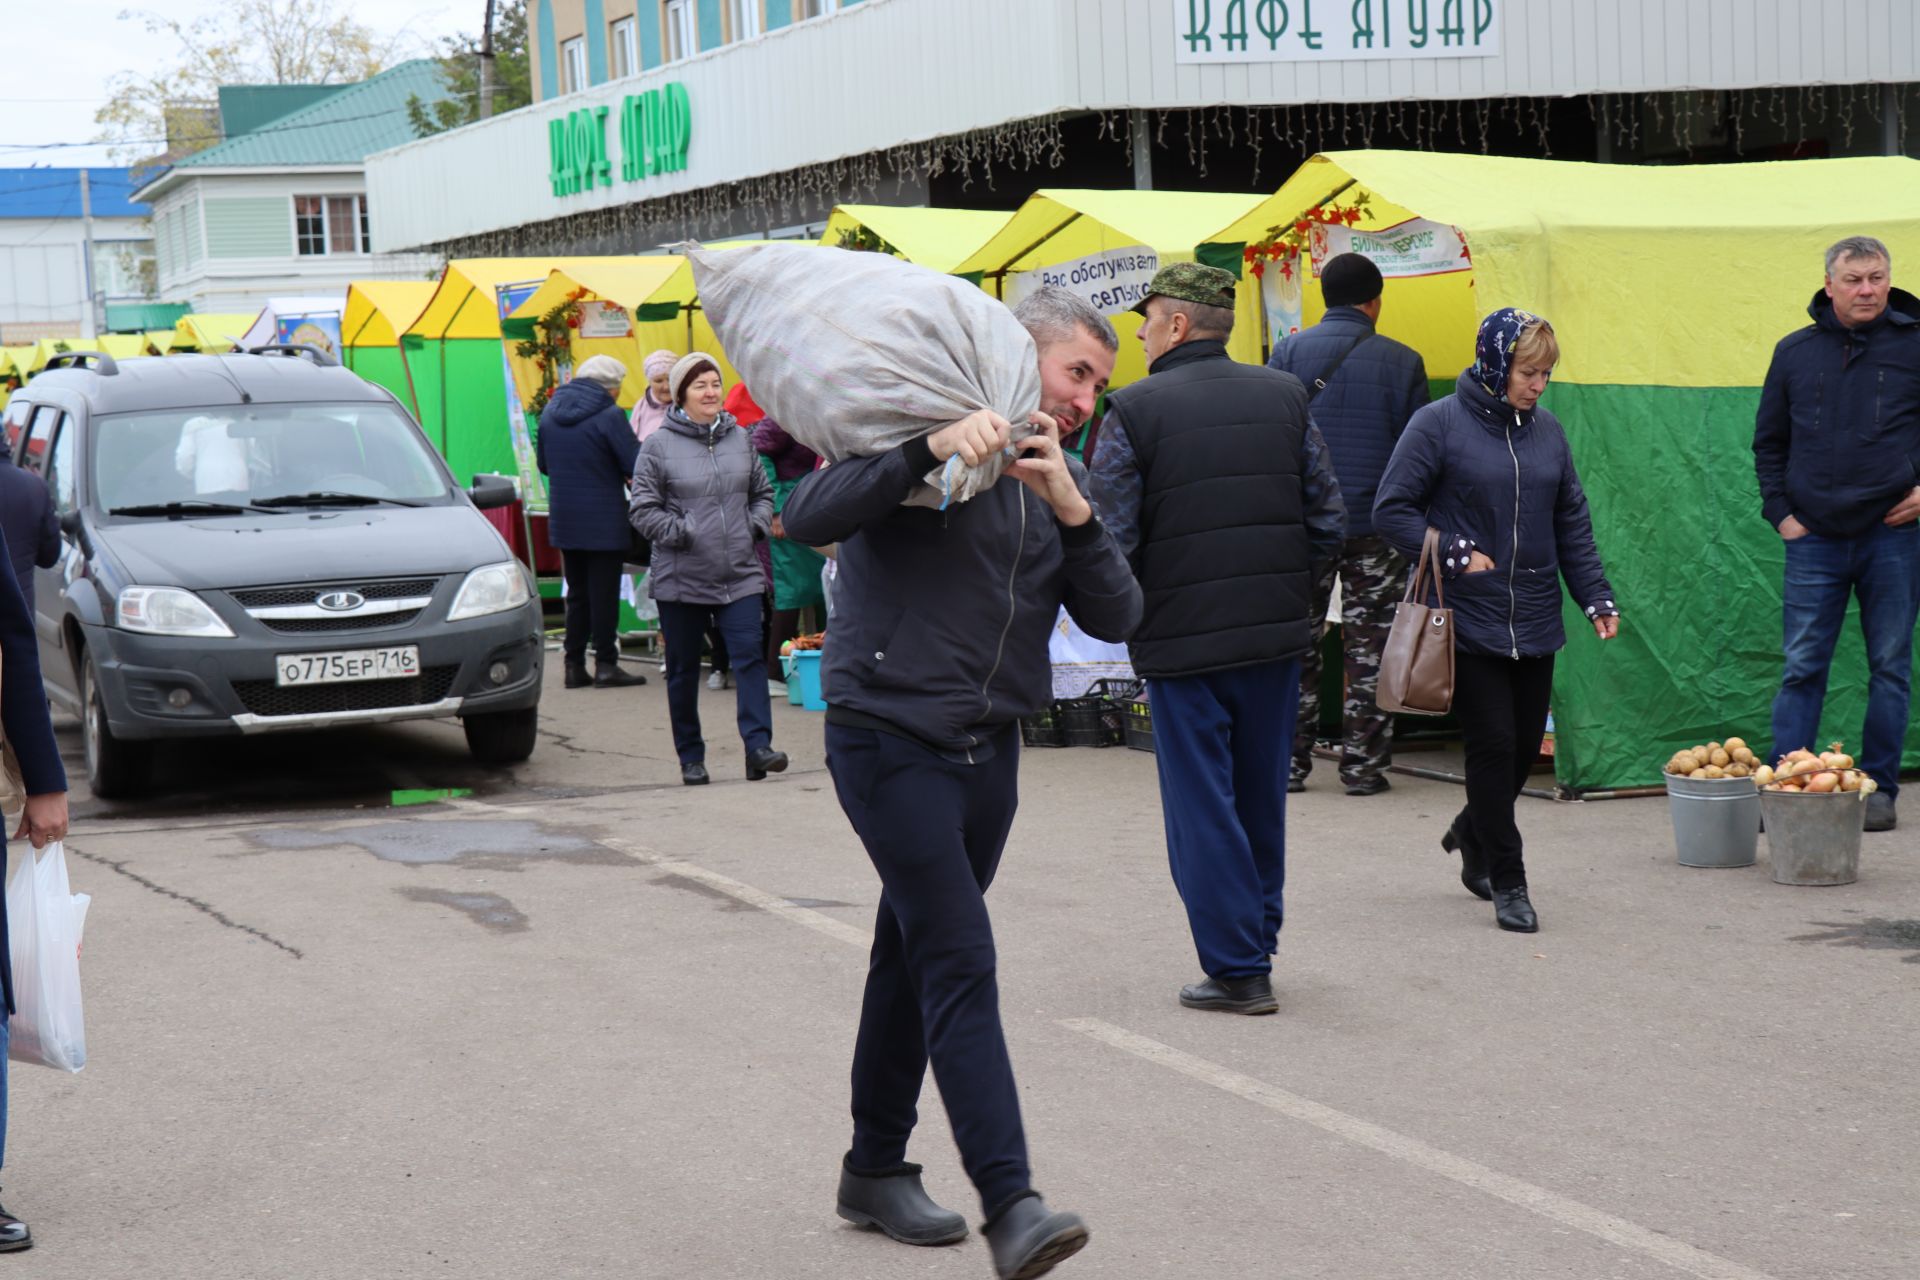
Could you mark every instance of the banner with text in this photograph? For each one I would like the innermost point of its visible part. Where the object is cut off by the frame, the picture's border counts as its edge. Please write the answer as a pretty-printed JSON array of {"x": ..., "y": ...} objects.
[
  {"x": 1334, "y": 30},
  {"x": 604, "y": 320},
  {"x": 1415, "y": 247},
  {"x": 1112, "y": 282}
]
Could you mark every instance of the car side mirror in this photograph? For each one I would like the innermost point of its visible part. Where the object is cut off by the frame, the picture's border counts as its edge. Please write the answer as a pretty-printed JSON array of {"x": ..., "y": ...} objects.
[{"x": 493, "y": 491}]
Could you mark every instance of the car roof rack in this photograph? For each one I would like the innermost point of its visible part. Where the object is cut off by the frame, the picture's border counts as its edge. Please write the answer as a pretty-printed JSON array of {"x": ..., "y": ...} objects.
[
  {"x": 105, "y": 364},
  {"x": 319, "y": 355}
]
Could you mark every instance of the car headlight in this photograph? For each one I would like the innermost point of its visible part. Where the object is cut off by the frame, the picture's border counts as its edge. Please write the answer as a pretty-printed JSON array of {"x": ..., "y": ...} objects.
[
  {"x": 492, "y": 588},
  {"x": 168, "y": 611}
]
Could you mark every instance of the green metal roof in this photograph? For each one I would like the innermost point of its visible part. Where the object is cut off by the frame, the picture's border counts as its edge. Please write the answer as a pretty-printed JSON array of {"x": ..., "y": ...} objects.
[
  {"x": 246, "y": 107},
  {"x": 343, "y": 129}
]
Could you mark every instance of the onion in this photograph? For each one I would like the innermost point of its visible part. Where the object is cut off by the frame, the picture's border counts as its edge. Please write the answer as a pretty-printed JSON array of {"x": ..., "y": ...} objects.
[{"x": 1823, "y": 783}]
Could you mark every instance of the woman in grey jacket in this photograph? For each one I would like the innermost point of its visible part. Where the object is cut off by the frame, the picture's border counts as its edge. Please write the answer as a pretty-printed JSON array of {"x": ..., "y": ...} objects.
[{"x": 701, "y": 497}]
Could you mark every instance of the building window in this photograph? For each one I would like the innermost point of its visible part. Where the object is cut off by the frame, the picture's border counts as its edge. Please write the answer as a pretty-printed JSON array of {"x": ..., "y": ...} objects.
[
  {"x": 325, "y": 225},
  {"x": 743, "y": 19},
  {"x": 623, "y": 53},
  {"x": 816, "y": 9},
  {"x": 681, "y": 40},
  {"x": 573, "y": 61}
]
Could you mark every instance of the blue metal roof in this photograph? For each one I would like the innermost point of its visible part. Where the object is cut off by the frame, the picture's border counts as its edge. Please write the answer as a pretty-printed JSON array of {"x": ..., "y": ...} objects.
[{"x": 55, "y": 193}]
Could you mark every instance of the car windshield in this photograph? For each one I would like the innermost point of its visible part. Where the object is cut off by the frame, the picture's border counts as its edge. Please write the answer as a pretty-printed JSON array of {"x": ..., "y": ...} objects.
[{"x": 317, "y": 454}]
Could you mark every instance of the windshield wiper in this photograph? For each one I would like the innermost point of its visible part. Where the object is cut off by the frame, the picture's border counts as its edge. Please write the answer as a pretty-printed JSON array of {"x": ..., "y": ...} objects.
[
  {"x": 188, "y": 507},
  {"x": 331, "y": 500}
]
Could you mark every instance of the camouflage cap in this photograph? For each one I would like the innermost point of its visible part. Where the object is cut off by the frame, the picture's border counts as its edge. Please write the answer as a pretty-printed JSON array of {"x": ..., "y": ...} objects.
[{"x": 1191, "y": 282}]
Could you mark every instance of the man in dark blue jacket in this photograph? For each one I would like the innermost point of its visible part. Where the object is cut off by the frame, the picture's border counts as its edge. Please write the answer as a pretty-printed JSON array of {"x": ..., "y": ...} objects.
[
  {"x": 26, "y": 517},
  {"x": 1837, "y": 448},
  {"x": 938, "y": 647},
  {"x": 29, "y": 731},
  {"x": 1219, "y": 490},
  {"x": 1363, "y": 387}
]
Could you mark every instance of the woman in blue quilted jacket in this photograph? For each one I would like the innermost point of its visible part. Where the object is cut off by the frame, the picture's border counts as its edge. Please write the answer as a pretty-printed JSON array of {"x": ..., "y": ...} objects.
[{"x": 1491, "y": 473}]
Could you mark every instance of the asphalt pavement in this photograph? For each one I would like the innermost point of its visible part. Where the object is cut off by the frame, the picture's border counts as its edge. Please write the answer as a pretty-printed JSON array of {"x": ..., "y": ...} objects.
[{"x": 588, "y": 1022}]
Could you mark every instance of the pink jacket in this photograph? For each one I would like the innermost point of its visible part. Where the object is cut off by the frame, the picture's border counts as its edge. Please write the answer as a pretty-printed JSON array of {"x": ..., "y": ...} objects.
[{"x": 647, "y": 416}]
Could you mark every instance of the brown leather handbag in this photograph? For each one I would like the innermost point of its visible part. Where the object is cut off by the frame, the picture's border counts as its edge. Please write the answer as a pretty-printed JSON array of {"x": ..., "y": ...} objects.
[{"x": 1416, "y": 667}]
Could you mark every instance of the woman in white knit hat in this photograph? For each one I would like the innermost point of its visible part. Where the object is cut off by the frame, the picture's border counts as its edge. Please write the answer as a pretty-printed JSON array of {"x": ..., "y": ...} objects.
[
  {"x": 702, "y": 498},
  {"x": 587, "y": 452}
]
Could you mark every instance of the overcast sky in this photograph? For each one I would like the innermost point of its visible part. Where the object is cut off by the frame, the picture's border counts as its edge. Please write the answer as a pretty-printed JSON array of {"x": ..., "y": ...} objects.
[{"x": 63, "y": 53}]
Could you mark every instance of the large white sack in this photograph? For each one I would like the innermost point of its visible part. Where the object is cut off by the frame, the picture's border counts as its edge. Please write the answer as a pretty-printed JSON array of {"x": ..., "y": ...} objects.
[{"x": 857, "y": 353}]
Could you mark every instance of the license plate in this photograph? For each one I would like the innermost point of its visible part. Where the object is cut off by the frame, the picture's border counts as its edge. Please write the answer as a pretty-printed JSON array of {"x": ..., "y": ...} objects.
[{"x": 394, "y": 663}]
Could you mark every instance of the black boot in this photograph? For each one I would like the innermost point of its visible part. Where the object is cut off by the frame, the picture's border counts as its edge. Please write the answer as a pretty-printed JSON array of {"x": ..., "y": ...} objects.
[
  {"x": 608, "y": 675},
  {"x": 893, "y": 1201},
  {"x": 1473, "y": 864},
  {"x": 13, "y": 1233},
  {"x": 577, "y": 677},
  {"x": 1512, "y": 911},
  {"x": 1028, "y": 1239},
  {"x": 1252, "y": 995},
  {"x": 764, "y": 761},
  {"x": 694, "y": 775}
]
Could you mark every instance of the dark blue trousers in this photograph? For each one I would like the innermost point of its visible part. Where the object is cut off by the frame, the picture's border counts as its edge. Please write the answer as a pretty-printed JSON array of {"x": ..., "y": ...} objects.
[
  {"x": 683, "y": 627},
  {"x": 1223, "y": 742},
  {"x": 934, "y": 830}
]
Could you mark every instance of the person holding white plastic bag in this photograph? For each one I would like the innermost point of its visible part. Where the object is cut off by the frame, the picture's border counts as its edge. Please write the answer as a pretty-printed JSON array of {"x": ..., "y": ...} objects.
[{"x": 29, "y": 731}]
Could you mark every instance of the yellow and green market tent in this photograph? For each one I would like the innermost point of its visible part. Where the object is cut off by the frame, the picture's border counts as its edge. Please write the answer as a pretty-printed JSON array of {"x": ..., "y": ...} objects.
[
  {"x": 377, "y": 313},
  {"x": 121, "y": 346},
  {"x": 629, "y": 307},
  {"x": 460, "y": 365},
  {"x": 1105, "y": 246},
  {"x": 1668, "y": 287},
  {"x": 160, "y": 341},
  {"x": 938, "y": 239},
  {"x": 211, "y": 333}
]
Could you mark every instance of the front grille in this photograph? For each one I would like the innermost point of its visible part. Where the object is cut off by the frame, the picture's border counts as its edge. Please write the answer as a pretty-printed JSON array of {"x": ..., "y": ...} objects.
[
  {"x": 272, "y": 597},
  {"x": 349, "y": 622},
  {"x": 266, "y": 698}
]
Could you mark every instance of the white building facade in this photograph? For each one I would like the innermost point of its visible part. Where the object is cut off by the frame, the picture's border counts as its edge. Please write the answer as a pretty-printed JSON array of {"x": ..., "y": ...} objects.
[{"x": 909, "y": 95}]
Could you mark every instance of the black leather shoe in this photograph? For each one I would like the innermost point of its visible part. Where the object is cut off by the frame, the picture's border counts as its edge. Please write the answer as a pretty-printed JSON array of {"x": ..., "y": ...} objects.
[
  {"x": 1296, "y": 785},
  {"x": 1028, "y": 1239},
  {"x": 893, "y": 1201},
  {"x": 1881, "y": 815},
  {"x": 608, "y": 675},
  {"x": 1369, "y": 786},
  {"x": 1232, "y": 995},
  {"x": 577, "y": 677},
  {"x": 765, "y": 761},
  {"x": 693, "y": 775},
  {"x": 1473, "y": 867},
  {"x": 1512, "y": 911},
  {"x": 15, "y": 1236}
]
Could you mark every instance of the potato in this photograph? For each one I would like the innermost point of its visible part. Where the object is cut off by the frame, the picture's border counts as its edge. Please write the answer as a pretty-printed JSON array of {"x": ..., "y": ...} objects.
[
  {"x": 1737, "y": 770},
  {"x": 1743, "y": 756},
  {"x": 1719, "y": 758},
  {"x": 1713, "y": 771},
  {"x": 1736, "y": 745}
]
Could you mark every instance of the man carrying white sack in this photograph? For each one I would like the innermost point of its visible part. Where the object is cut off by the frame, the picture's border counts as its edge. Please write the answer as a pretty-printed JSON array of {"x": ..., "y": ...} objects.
[{"x": 939, "y": 647}]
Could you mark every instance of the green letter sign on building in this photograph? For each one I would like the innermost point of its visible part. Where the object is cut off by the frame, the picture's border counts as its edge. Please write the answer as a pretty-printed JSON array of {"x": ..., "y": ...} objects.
[{"x": 656, "y": 128}]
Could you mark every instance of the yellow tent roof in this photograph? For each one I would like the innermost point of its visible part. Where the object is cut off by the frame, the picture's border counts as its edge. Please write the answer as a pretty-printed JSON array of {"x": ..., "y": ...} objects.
[
  {"x": 379, "y": 311},
  {"x": 160, "y": 340},
  {"x": 18, "y": 360},
  {"x": 631, "y": 282},
  {"x": 937, "y": 238},
  {"x": 1630, "y": 262},
  {"x": 212, "y": 331},
  {"x": 121, "y": 346},
  {"x": 464, "y": 302},
  {"x": 1057, "y": 225}
]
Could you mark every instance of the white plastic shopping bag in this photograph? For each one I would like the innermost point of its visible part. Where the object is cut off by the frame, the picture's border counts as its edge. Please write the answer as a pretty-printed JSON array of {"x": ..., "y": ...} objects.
[{"x": 44, "y": 921}]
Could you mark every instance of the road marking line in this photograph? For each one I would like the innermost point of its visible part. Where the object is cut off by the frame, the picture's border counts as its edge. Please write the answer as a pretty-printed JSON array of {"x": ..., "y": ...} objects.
[{"x": 1618, "y": 1231}]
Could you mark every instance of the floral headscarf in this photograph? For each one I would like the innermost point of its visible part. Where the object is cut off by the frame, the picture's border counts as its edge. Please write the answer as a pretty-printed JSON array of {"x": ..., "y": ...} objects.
[{"x": 1493, "y": 349}]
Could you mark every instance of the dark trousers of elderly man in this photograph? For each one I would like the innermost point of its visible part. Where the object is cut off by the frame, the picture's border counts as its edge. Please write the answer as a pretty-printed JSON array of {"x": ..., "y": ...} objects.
[{"x": 1218, "y": 486}]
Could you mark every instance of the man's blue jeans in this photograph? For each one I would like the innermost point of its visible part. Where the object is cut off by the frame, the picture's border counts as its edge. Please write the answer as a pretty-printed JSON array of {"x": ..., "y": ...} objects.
[{"x": 1882, "y": 567}]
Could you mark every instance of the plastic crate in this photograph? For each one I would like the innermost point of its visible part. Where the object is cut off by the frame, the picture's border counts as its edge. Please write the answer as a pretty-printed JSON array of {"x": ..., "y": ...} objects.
[
  {"x": 1042, "y": 729},
  {"x": 1139, "y": 724},
  {"x": 1099, "y": 718}
]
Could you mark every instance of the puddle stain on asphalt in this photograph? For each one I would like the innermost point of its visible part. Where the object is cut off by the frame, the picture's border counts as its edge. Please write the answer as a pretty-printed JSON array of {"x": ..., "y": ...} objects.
[
  {"x": 1872, "y": 934},
  {"x": 488, "y": 910},
  {"x": 503, "y": 843}
]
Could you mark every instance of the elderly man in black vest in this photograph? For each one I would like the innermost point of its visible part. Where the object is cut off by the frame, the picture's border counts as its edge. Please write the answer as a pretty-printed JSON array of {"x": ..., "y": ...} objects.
[{"x": 1214, "y": 481}]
